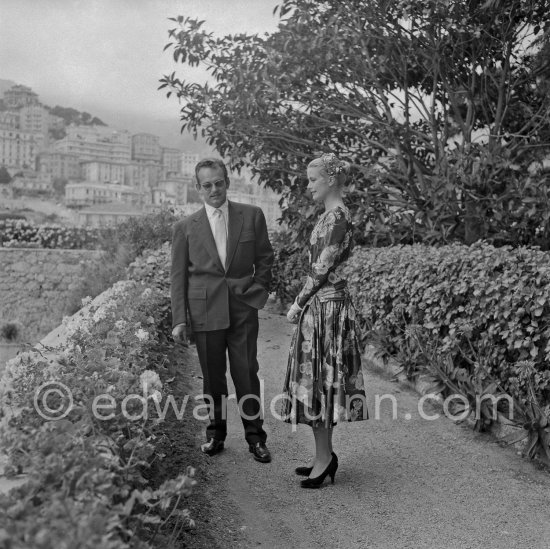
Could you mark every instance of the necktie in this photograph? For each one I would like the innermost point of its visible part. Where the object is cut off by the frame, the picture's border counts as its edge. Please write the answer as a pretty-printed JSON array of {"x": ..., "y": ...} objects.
[{"x": 220, "y": 235}]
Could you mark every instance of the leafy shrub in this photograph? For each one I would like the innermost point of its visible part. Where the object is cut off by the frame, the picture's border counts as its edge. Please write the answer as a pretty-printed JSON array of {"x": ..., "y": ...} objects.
[
  {"x": 16, "y": 233},
  {"x": 289, "y": 267},
  {"x": 11, "y": 331},
  {"x": 137, "y": 234},
  {"x": 122, "y": 245},
  {"x": 100, "y": 274},
  {"x": 472, "y": 302},
  {"x": 153, "y": 268},
  {"x": 475, "y": 319},
  {"x": 85, "y": 485}
]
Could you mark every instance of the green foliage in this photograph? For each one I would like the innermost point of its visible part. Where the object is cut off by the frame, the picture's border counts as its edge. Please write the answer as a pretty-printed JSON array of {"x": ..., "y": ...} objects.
[
  {"x": 475, "y": 319},
  {"x": 153, "y": 267},
  {"x": 73, "y": 116},
  {"x": 85, "y": 473},
  {"x": 486, "y": 307},
  {"x": 19, "y": 234},
  {"x": 483, "y": 397},
  {"x": 441, "y": 106},
  {"x": 140, "y": 233},
  {"x": 58, "y": 185},
  {"x": 9, "y": 215},
  {"x": 5, "y": 176},
  {"x": 11, "y": 331},
  {"x": 98, "y": 275},
  {"x": 533, "y": 422},
  {"x": 289, "y": 267},
  {"x": 122, "y": 245}
]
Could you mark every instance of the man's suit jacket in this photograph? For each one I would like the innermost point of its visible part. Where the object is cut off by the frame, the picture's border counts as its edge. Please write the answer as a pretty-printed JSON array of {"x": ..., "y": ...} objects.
[{"x": 200, "y": 286}]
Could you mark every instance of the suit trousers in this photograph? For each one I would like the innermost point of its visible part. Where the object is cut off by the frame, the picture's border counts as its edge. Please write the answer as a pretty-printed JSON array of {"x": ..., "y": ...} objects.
[{"x": 239, "y": 341}]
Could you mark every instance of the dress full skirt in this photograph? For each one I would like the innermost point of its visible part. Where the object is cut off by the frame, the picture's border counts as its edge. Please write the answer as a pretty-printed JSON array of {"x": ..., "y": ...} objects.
[{"x": 324, "y": 381}]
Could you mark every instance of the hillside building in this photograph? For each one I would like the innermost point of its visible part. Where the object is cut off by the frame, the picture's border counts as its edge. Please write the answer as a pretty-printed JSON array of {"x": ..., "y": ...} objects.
[
  {"x": 19, "y": 96},
  {"x": 99, "y": 143},
  {"x": 142, "y": 176},
  {"x": 188, "y": 163},
  {"x": 146, "y": 147},
  {"x": 35, "y": 119},
  {"x": 30, "y": 180},
  {"x": 18, "y": 149},
  {"x": 9, "y": 119},
  {"x": 170, "y": 161},
  {"x": 172, "y": 190},
  {"x": 107, "y": 172},
  {"x": 87, "y": 193},
  {"x": 105, "y": 215},
  {"x": 59, "y": 165}
]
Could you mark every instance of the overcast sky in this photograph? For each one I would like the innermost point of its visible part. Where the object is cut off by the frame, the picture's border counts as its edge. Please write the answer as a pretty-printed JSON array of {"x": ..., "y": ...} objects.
[{"x": 105, "y": 56}]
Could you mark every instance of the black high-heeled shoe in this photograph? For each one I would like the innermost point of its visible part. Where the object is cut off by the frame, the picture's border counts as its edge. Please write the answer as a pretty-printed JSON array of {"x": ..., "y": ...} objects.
[
  {"x": 305, "y": 471},
  {"x": 318, "y": 481}
]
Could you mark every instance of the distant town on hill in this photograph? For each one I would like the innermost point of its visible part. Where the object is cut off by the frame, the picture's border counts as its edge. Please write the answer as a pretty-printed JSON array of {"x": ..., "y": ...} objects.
[
  {"x": 100, "y": 174},
  {"x": 168, "y": 130},
  {"x": 68, "y": 114}
]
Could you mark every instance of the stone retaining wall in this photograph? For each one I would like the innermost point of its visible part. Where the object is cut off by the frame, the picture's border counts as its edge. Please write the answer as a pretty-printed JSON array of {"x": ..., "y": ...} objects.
[{"x": 37, "y": 286}]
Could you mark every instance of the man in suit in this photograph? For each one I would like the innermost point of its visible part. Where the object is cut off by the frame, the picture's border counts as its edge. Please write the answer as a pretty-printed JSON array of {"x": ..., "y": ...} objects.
[{"x": 221, "y": 271}]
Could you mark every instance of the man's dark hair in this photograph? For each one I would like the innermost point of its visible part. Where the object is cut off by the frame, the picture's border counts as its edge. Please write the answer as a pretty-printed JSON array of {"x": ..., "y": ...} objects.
[{"x": 212, "y": 163}]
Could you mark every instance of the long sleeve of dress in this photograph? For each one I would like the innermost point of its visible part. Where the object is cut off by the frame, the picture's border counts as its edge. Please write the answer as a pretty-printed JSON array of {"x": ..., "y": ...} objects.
[{"x": 326, "y": 254}]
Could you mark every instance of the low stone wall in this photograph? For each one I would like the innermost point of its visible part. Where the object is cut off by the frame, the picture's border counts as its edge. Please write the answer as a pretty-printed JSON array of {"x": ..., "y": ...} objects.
[{"x": 37, "y": 286}]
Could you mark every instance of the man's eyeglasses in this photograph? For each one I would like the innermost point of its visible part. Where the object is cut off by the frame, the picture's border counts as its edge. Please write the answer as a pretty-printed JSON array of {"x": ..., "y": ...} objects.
[{"x": 220, "y": 184}]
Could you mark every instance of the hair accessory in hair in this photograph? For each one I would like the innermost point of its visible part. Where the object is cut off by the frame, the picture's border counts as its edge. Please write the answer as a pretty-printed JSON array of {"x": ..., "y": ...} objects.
[{"x": 332, "y": 165}]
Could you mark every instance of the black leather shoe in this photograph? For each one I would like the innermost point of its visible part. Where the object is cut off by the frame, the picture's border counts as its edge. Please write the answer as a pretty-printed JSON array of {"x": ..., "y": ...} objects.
[
  {"x": 212, "y": 447},
  {"x": 260, "y": 451}
]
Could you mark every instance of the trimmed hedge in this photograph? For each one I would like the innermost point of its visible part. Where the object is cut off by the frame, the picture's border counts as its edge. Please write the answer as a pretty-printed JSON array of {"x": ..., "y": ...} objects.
[{"x": 487, "y": 307}]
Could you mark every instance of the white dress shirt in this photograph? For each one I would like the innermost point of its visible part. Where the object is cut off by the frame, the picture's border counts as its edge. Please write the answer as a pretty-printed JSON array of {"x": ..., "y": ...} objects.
[{"x": 210, "y": 212}]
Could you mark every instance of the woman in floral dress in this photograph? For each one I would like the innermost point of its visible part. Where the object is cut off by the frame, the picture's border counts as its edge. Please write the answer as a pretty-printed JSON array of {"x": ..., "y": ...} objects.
[{"x": 324, "y": 380}]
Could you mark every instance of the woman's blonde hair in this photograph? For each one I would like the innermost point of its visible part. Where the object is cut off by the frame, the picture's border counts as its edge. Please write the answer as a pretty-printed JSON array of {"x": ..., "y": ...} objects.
[{"x": 332, "y": 166}]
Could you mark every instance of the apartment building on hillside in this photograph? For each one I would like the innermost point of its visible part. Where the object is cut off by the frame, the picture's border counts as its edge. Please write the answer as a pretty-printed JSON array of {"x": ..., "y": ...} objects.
[
  {"x": 145, "y": 147},
  {"x": 59, "y": 165}
]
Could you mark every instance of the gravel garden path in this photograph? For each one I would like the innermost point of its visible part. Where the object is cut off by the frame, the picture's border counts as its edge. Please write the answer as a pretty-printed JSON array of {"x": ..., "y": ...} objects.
[{"x": 403, "y": 483}]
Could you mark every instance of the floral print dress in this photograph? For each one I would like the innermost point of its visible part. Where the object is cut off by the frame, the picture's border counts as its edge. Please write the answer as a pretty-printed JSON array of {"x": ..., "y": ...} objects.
[{"x": 324, "y": 380}]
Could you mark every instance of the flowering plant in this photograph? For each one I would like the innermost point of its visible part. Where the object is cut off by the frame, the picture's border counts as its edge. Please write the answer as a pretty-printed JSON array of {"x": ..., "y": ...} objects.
[
  {"x": 18, "y": 233},
  {"x": 84, "y": 469}
]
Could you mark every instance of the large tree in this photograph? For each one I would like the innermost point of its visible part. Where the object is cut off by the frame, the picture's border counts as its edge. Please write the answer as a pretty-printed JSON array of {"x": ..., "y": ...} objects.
[{"x": 441, "y": 106}]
